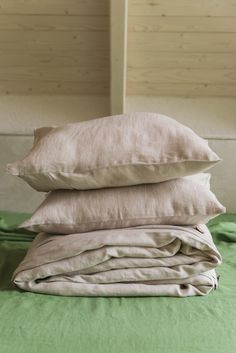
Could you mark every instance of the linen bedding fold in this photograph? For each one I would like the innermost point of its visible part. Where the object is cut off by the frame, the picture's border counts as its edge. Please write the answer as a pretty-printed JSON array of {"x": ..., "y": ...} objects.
[{"x": 139, "y": 261}]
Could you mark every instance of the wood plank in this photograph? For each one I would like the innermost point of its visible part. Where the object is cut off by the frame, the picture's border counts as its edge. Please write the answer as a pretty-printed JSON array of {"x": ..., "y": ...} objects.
[
  {"x": 118, "y": 55},
  {"x": 182, "y": 8},
  {"x": 29, "y": 87},
  {"x": 89, "y": 59},
  {"x": 69, "y": 74},
  {"x": 183, "y": 42},
  {"x": 55, "y": 7},
  {"x": 82, "y": 23},
  {"x": 180, "y": 89},
  {"x": 181, "y": 24},
  {"x": 146, "y": 59},
  {"x": 50, "y": 41},
  {"x": 205, "y": 76}
]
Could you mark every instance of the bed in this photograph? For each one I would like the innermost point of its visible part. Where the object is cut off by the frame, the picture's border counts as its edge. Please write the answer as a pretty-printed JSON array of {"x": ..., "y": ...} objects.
[{"x": 31, "y": 323}]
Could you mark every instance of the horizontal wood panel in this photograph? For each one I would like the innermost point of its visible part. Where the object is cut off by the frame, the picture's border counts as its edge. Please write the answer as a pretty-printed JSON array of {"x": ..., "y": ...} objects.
[
  {"x": 187, "y": 42},
  {"x": 28, "y": 87},
  {"x": 211, "y": 76},
  {"x": 49, "y": 41},
  {"x": 54, "y": 74},
  {"x": 90, "y": 59},
  {"x": 82, "y": 23},
  {"x": 146, "y": 59},
  {"x": 59, "y": 7},
  {"x": 180, "y": 89},
  {"x": 182, "y": 8},
  {"x": 181, "y": 24},
  {"x": 54, "y": 47}
]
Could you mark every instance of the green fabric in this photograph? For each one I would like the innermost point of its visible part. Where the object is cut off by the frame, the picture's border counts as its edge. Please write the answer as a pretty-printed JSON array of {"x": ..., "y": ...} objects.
[{"x": 31, "y": 323}]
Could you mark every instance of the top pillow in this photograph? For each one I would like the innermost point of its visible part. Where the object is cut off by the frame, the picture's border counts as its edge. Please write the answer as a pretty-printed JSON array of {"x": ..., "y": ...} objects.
[{"x": 115, "y": 151}]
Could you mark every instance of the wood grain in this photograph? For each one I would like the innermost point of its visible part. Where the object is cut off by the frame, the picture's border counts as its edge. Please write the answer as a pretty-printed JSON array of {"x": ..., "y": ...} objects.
[
  {"x": 58, "y": 58},
  {"x": 183, "y": 48},
  {"x": 50, "y": 41},
  {"x": 205, "y": 76},
  {"x": 28, "y": 87},
  {"x": 182, "y": 8},
  {"x": 118, "y": 55},
  {"x": 186, "y": 42},
  {"x": 54, "y": 73},
  {"x": 58, "y": 7},
  {"x": 54, "y": 47},
  {"x": 83, "y": 23},
  {"x": 180, "y": 89},
  {"x": 189, "y": 24},
  {"x": 167, "y": 60}
]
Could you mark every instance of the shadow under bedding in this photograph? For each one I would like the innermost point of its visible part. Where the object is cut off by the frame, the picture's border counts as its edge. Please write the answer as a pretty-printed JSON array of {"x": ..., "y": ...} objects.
[{"x": 31, "y": 323}]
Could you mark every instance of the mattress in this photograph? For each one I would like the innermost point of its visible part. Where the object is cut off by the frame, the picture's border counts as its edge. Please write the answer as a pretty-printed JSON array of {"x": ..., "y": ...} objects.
[{"x": 31, "y": 323}]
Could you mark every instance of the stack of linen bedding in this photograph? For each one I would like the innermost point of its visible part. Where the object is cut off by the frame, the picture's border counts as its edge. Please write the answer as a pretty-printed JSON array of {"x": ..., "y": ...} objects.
[{"x": 125, "y": 211}]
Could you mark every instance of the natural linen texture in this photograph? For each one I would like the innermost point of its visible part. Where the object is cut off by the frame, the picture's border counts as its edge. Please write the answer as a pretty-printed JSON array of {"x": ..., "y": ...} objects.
[
  {"x": 114, "y": 151},
  {"x": 143, "y": 261},
  {"x": 183, "y": 201}
]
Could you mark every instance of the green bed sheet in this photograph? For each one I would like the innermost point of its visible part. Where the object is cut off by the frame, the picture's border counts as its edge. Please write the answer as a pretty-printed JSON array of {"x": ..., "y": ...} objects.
[{"x": 37, "y": 323}]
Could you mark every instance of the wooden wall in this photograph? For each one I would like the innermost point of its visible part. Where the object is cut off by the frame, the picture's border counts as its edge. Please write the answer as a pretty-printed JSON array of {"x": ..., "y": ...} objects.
[
  {"x": 182, "y": 48},
  {"x": 54, "y": 47},
  {"x": 175, "y": 48}
]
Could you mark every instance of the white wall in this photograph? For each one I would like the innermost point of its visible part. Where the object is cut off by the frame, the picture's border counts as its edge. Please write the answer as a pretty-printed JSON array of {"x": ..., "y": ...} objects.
[
  {"x": 19, "y": 116},
  {"x": 213, "y": 119},
  {"x": 15, "y": 194},
  {"x": 22, "y": 114},
  {"x": 209, "y": 117}
]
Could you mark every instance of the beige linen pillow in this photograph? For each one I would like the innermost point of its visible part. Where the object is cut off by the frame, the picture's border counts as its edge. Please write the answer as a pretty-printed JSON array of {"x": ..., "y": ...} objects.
[
  {"x": 179, "y": 202},
  {"x": 115, "y": 151}
]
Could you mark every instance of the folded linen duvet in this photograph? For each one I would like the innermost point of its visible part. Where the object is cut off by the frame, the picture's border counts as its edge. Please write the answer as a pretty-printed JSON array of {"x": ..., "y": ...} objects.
[{"x": 138, "y": 261}]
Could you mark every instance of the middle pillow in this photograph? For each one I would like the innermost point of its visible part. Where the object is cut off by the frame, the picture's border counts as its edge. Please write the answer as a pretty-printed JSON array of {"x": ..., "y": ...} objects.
[{"x": 184, "y": 201}]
